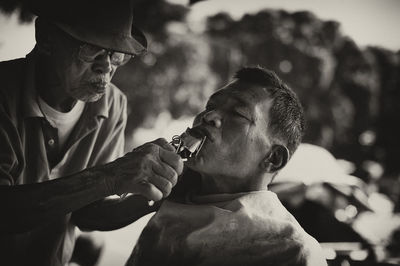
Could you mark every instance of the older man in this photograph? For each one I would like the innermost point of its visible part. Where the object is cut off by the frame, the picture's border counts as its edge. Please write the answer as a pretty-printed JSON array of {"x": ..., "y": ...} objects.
[
  {"x": 62, "y": 126},
  {"x": 252, "y": 127}
]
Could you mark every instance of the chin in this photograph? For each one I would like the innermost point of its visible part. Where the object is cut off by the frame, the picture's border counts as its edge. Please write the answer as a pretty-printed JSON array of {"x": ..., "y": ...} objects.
[
  {"x": 92, "y": 98},
  {"x": 199, "y": 164},
  {"x": 194, "y": 164},
  {"x": 89, "y": 93}
]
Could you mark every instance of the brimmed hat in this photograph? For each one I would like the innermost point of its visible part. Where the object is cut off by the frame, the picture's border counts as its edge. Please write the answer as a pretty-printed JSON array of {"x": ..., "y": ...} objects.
[{"x": 105, "y": 23}]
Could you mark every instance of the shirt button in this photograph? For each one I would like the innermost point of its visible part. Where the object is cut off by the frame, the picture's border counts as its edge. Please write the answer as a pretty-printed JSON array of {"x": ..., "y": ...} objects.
[{"x": 51, "y": 142}]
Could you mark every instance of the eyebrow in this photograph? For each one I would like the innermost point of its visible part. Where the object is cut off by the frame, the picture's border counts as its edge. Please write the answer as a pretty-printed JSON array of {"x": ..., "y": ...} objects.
[{"x": 241, "y": 100}]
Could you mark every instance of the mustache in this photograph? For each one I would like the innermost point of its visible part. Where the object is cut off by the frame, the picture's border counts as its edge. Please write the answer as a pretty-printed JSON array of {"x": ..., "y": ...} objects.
[
  {"x": 100, "y": 80},
  {"x": 200, "y": 132}
]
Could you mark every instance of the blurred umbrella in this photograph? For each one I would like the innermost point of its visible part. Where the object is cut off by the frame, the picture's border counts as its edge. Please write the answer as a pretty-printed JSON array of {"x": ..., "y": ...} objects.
[{"x": 313, "y": 166}]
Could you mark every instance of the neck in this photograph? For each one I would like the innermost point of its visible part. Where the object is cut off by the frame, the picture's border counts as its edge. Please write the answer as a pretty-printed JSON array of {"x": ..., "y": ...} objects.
[
  {"x": 49, "y": 88},
  {"x": 63, "y": 105},
  {"x": 212, "y": 184}
]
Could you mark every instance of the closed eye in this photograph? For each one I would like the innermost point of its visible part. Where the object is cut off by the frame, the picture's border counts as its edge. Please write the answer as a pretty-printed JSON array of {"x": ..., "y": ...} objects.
[{"x": 242, "y": 115}]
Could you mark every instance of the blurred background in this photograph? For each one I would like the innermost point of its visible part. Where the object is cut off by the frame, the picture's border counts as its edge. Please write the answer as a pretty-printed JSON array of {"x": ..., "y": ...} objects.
[{"x": 341, "y": 58}]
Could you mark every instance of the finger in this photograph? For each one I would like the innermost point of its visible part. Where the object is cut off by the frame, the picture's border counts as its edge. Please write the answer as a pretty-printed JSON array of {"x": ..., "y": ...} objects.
[
  {"x": 161, "y": 183},
  {"x": 149, "y": 191},
  {"x": 172, "y": 159},
  {"x": 165, "y": 171},
  {"x": 164, "y": 144}
]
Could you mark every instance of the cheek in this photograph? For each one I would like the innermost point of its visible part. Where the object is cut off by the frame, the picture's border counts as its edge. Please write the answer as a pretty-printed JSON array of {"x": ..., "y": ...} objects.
[
  {"x": 244, "y": 145},
  {"x": 235, "y": 132},
  {"x": 72, "y": 72}
]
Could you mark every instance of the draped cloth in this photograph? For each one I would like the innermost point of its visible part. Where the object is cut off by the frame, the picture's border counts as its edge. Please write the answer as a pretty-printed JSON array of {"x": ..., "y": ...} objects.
[{"x": 225, "y": 229}]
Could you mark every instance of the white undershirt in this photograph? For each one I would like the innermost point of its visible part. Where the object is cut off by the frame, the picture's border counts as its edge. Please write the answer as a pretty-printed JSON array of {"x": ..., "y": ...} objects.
[{"x": 64, "y": 122}]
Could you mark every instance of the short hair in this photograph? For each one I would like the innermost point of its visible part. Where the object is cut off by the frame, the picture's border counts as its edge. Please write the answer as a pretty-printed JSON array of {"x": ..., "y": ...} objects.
[{"x": 286, "y": 116}]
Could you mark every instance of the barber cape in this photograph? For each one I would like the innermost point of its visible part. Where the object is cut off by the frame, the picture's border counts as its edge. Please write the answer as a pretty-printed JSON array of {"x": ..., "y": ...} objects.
[{"x": 225, "y": 229}]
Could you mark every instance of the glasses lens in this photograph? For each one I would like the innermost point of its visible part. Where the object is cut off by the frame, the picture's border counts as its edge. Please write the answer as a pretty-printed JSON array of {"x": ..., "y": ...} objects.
[
  {"x": 88, "y": 52},
  {"x": 119, "y": 59}
]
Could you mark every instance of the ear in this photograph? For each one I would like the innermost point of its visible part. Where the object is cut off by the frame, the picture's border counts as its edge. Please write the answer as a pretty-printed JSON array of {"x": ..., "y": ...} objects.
[{"x": 276, "y": 159}]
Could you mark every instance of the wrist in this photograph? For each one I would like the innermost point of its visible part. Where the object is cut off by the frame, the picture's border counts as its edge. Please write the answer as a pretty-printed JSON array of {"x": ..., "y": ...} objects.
[{"x": 106, "y": 179}]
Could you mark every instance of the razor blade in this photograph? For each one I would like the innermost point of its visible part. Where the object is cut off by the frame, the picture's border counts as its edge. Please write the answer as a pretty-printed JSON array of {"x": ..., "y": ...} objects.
[{"x": 187, "y": 146}]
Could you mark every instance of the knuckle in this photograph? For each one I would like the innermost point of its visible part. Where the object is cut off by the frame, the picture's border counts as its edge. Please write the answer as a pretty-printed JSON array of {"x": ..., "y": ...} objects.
[
  {"x": 161, "y": 141},
  {"x": 147, "y": 157},
  {"x": 143, "y": 165},
  {"x": 170, "y": 173},
  {"x": 169, "y": 186},
  {"x": 158, "y": 196},
  {"x": 174, "y": 179},
  {"x": 180, "y": 167},
  {"x": 167, "y": 189},
  {"x": 147, "y": 147}
]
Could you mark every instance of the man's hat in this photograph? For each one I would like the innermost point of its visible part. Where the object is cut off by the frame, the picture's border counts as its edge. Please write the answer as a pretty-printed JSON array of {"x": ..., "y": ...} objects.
[{"x": 105, "y": 23}]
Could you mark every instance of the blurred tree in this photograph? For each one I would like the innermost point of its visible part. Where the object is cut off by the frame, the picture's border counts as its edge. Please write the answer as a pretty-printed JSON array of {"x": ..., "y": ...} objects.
[{"x": 20, "y": 6}]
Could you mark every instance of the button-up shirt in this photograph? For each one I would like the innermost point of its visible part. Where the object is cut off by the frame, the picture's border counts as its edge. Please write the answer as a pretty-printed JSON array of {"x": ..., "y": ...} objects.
[{"x": 26, "y": 144}]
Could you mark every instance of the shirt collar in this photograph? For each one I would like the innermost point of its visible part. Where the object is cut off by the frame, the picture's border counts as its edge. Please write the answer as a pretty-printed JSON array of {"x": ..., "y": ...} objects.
[{"x": 30, "y": 100}]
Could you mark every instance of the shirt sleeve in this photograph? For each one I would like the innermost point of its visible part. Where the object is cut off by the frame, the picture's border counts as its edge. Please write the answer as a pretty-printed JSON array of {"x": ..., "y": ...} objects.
[{"x": 11, "y": 159}]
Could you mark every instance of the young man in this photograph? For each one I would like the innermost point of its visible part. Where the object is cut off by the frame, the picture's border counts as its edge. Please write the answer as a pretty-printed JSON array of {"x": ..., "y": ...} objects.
[
  {"x": 252, "y": 127},
  {"x": 62, "y": 126}
]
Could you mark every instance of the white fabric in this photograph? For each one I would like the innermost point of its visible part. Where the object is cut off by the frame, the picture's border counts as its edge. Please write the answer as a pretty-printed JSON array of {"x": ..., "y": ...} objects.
[
  {"x": 64, "y": 122},
  {"x": 226, "y": 229}
]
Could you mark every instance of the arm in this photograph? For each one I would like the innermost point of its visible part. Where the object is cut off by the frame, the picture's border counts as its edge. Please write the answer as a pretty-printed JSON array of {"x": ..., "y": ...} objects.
[
  {"x": 150, "y": 171},
  {"x": 23, "y": 207},
  {"x": 113, "y": 213}
]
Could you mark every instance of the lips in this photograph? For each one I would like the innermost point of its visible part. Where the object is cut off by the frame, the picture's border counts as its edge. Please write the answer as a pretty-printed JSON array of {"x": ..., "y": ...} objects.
[{"x": 99, "y": 86}]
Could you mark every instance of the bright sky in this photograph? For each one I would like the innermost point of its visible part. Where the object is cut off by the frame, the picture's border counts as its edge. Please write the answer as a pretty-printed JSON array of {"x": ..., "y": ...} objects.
[
  {"x": 368, "y": 22},
  {"x": 15, "y": 40}
]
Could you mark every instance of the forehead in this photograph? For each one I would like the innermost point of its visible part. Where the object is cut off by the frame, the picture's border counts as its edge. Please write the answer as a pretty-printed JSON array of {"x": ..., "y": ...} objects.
[{"x": 246, "y": 93}]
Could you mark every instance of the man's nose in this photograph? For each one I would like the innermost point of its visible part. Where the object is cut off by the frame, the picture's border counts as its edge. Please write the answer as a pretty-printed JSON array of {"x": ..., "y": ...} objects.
[
  {"x": 102, "y": 64},
  {"x": 213, "y": 118}
]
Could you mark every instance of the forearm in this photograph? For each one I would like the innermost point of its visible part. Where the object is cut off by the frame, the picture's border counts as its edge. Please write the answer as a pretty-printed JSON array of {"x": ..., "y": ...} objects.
[
  {"x": 23, "y": 207},
  {"x": 111, "y": 214}
]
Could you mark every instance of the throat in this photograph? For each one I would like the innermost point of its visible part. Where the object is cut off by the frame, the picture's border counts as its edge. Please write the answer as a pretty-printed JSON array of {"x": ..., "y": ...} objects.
[
  {"x": 63, "y": 105},
  {"x": 224, "y": 185}
]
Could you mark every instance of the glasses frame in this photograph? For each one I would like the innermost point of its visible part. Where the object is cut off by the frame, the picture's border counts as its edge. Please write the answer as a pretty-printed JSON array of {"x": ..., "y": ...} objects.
[{"x": 101, "y": 51}]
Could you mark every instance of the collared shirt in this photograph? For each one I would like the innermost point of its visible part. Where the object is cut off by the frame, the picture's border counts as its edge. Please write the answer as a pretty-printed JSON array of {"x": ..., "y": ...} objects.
[
  {"x": 25, "y": 141},
  {"x": 251, "y": 228},
  {"x": 64, "y": 121}
]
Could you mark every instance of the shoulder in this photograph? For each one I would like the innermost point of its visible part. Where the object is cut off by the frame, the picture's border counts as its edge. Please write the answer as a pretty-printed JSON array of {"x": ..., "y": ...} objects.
[
  {"x": 11, "y": 66},
  {"x": 11, "y": 74},
  {"x": 12, "y": 79}
]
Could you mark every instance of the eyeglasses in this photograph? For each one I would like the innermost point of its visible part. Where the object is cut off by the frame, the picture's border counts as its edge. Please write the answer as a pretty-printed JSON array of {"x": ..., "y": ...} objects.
[{"x": 89, "y": 53}]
